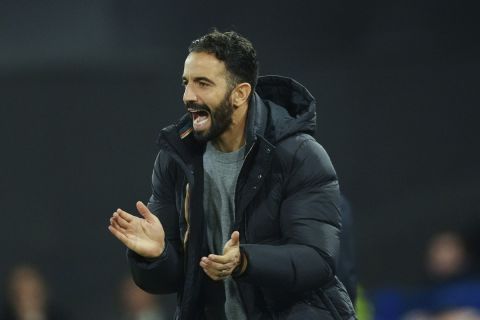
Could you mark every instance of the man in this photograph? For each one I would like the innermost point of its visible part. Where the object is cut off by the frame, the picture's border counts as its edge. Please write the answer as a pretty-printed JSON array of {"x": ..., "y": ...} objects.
[{"x": 243, "y": 221}]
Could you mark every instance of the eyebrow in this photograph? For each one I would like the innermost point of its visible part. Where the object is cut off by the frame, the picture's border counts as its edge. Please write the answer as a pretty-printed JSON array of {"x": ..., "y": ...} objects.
[{"x": 198, "y": 79}]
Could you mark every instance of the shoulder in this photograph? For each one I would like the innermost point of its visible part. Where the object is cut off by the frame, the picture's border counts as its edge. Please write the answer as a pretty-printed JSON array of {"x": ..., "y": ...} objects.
[
  {"x": 304, "y": 161},
  {"x": 302, "y": 150},
  {"x": 295, "y": 140}
]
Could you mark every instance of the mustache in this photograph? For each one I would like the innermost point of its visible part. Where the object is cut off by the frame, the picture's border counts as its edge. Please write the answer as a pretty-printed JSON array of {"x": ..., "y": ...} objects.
[{"x": 197, "y": 107}]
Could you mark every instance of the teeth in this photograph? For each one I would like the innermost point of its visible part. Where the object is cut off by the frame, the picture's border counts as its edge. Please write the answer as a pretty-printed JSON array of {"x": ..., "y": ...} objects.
[{"x": 200, "y": 121}]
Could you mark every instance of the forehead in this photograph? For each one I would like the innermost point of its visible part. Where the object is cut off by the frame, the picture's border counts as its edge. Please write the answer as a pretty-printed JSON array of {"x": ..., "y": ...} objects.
[{"x": 202, "y": 64}]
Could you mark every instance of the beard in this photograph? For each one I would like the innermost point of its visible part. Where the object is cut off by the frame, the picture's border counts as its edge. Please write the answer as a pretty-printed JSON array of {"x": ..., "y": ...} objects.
[{"x": 220, "y": 119}]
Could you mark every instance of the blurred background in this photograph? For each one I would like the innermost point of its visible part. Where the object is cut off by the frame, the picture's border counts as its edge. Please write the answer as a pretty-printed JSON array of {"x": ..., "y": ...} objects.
[{"x": 85, "y": 87}]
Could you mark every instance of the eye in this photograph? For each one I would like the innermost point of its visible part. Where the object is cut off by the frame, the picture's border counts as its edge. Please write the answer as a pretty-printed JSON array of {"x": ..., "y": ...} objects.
[
  {"x": 184, "y": 83},
  {"x": 203, "y": 84}
]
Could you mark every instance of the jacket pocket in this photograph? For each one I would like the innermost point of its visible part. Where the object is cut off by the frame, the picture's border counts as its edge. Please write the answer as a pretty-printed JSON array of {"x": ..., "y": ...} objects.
[{"x": 335, "y": 296}]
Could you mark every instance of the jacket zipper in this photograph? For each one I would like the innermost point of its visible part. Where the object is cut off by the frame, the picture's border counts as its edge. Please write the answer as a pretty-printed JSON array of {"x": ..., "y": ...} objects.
[
  {"x": 236, "y": 189},
  {"x": 244, "y": 219}
]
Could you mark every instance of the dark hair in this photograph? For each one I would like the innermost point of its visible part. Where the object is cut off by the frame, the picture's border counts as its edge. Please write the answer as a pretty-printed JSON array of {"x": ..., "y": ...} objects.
[{"x": 234, "y": 50}]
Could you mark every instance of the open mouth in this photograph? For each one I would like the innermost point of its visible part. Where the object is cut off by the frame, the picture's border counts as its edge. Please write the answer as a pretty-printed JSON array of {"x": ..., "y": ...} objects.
[{"x": 199, "y": 117}]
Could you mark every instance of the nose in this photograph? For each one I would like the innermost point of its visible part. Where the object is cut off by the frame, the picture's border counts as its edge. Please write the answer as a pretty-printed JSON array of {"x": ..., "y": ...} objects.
[{"x": 189, "y": 95}]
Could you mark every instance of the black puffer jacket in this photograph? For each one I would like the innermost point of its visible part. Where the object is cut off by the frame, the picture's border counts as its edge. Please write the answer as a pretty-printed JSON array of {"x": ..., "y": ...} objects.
[{"x": 287, "y": 213}]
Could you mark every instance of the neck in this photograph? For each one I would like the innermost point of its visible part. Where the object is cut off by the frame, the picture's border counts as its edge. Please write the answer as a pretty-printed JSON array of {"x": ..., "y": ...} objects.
[{"x": 234, "y": 137}]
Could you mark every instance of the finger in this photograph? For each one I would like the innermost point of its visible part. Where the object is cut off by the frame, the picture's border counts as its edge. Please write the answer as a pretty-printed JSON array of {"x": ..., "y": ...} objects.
[
  {"x": 143, "y": 210},
  {"x": 235, "y": 239},
  {"x": 226, "y": 258},
  {"x": 211, "y": 264},
  {"x": 223, "y": 270},
  {"x": 119, "y": 235},
  {"x": 120, "y": 221},
  {"x": 204, "y": 263},
  {"x": 218, "y": 259},
  {"x": 215, "y": 266},
  {"x": 114, "y": 223},
  {"x": 125, "y": 215},
  {"x": 212, "y": 275}
]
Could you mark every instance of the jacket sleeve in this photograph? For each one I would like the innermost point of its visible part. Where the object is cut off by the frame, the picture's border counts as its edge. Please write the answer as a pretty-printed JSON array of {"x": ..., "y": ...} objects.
[
  {"x": 310, "y": 226},
  {"x": 162, "y": 275}
]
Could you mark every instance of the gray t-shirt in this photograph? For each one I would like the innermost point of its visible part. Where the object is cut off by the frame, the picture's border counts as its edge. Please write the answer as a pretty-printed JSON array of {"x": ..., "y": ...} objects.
[{"x": 220, "y": 178}]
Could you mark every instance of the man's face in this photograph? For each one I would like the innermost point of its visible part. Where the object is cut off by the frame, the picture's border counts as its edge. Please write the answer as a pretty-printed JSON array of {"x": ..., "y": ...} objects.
[{"x": 207, "y": 95}]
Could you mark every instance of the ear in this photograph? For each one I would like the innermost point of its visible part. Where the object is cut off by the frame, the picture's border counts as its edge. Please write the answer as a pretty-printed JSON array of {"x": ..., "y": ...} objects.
[{"x": 241, "y": 93}]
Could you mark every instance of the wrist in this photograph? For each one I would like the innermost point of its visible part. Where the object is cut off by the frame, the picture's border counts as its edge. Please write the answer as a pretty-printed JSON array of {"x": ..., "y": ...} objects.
[
  {"x": 242, "y": 265},
  {"x": 157, "y": 256}
]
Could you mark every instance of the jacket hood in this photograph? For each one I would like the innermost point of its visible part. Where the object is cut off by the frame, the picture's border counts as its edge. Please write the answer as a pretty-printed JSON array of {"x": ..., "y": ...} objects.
[{"x": 292, "y": 107}]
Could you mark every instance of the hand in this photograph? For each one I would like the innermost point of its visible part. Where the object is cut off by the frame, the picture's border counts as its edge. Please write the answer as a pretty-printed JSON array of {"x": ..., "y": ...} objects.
[
  {"x": 144, "y": 235},
  {"x": 221, "y": 267}
]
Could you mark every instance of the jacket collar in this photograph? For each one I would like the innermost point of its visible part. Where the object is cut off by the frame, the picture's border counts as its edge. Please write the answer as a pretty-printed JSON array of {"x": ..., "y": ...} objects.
[{"x": 257, "y": 117}]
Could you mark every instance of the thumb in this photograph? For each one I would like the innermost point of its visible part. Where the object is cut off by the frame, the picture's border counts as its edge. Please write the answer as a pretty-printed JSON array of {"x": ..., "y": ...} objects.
[
  {"x": 143, "y": 210},
  {"x": 235, "y": 238}
]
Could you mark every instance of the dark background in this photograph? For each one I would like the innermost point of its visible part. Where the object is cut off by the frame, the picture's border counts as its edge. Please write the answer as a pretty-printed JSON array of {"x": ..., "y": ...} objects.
[{"x": 85, "y": 86}]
